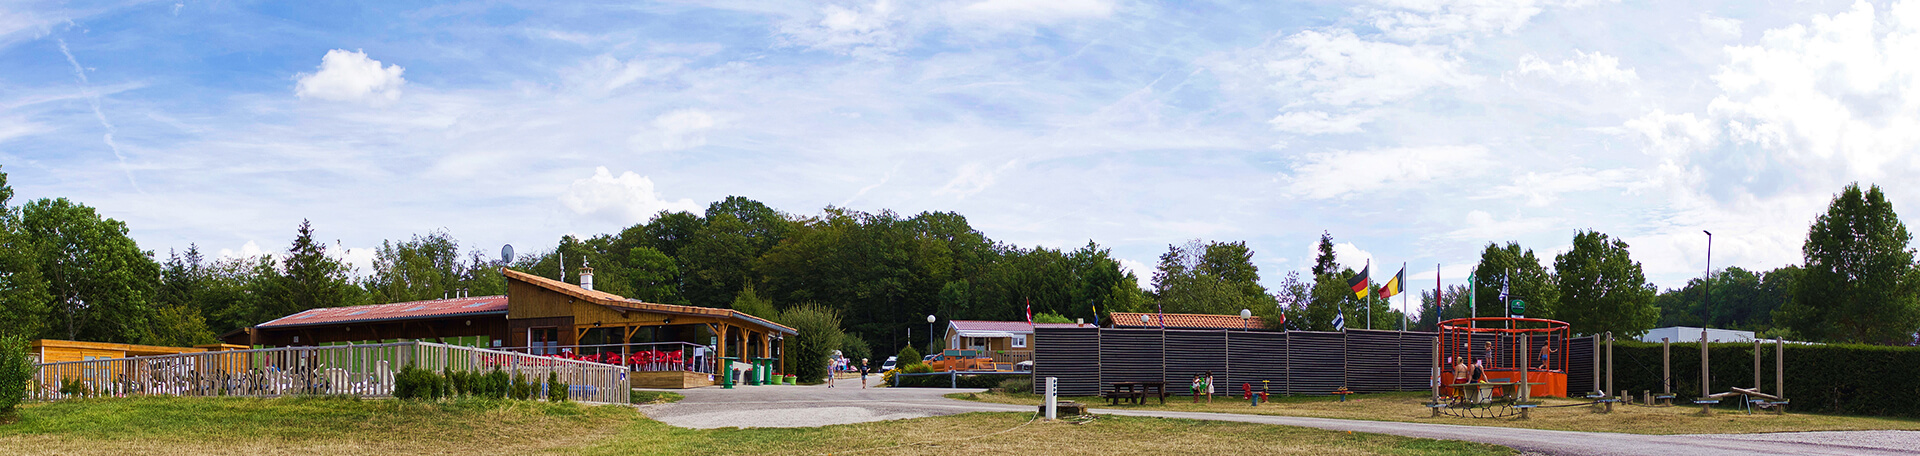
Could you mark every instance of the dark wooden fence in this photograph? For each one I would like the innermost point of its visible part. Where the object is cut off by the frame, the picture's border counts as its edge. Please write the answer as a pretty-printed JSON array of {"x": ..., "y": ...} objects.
[{"x": 1292, "y": 362}]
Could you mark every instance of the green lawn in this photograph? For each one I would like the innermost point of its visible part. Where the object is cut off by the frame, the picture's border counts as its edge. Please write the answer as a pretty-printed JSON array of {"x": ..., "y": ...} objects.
[{"x": 322, "y": 426}]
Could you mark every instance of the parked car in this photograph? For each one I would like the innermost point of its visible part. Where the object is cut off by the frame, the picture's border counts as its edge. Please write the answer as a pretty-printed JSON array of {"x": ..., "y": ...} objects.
[
  {"x": 1023, "y": 366},
  {"x": 892, "y": 361}
]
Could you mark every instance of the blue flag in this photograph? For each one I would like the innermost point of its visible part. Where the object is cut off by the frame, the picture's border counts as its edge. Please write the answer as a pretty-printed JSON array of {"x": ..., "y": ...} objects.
[{"x": 1340, "y": 321}]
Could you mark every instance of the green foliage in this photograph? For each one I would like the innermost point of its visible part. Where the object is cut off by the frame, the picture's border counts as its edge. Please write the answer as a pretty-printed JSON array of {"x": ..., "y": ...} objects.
[
  {"x": 1601, "y": 288},
  {"x": 1216, "y": 278},
  {"x": 310, "y": 278},
  {"x": 1834, "y": 378},
  {"x": 16, "y": 369},
  {"x": 556, "y": 391},
  {"x": 854, "y": 347},
  {"x": 653, "y": 276},
  {"x": 413, "y": 383},
  {"x": 962, "y": 381},
  {"x": 520, "y": 389},
  {"x": 1742, "y": 299},
  {"x": 1050, "y": 317},
  {"x": 74, "y": 387},
  {"x": 23, "y": 289},
  {"x": 1859, "y": 279},
  {"x": 100, "y": 282},
  {"x": 1021, "y": 384},
  {"x": 908, "y": 357},
  {"x": 819, "y": 335},
  {"x": 1528, "y": 281},
  {"x": 752, "y": 304},
  {"x": 427, "y": 267},
  {"x": 639, "y": 397},
  {"x": 494, "y": 385},
  {"x": 1325, "y": 263},
  {"x": 917, "y": 368}
]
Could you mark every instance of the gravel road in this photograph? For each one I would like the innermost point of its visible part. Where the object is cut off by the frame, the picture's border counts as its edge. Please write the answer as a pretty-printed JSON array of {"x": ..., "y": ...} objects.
[{"x": 809, "y": 406}]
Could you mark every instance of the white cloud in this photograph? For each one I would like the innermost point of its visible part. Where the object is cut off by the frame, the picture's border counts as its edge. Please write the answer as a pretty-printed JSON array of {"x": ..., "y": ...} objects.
[
  {"x": 972, "y": 178},
  {"x": 1342, "y": 174},
  {"x": 1140, "y": 270},
  {"x": 1482, "y": 227},
  {"x": 1540, "y": 189},
  {"x": 677, "y": 130},
  {"x": 249, "y": 250},
  {"x": 604, "y": 73},
  {"x": 629, "y": 198},
  {"x": 870, "y": 31},
  {"x": 1673, "y": 135},
  {"x": 351, "y": 76},
  {"x": 1583, "y": 68},
  {"x": 1725, "y": 27},
  {"x": 1425, "y": 19},
  {"x": 1036, "y": 11},
  {"x": 1339, "y": 68},
  {"x": 1319, "y": 122},
  {"x": 1348, "y": 255}
]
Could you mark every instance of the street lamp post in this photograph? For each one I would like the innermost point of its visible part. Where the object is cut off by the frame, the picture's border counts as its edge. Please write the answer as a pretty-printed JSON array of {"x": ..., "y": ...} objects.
[
  {"x": 1708, "y": 299},
  {"x": 1246, "y": 316},
  {"x": 930, "y": 320}
]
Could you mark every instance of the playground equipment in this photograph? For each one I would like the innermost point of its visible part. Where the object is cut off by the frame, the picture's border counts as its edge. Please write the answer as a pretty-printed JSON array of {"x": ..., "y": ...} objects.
[
  {"x": 1752, "y": 396},
  {"x": 1503, "y": 374}
]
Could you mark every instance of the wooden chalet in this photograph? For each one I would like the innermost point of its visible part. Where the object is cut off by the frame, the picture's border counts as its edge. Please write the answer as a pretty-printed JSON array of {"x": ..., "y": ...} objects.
[{"x": 668, "y": 346}]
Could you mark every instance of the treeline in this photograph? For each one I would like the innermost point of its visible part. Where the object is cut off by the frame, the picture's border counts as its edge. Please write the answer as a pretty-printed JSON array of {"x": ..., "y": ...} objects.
[{"x": 1858, "y": 283}]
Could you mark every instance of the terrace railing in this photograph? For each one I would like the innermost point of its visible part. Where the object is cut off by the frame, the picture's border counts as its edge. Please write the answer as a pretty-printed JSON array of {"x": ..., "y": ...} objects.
[
  {"x": 357, "y": 370},
  {"x": 647, "y": 357}
]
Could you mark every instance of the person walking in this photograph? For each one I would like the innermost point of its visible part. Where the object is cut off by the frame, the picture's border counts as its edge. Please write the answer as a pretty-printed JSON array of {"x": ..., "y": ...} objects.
[
  {"x": 1209, "y": 387},
  {"x": 833, "y": 368},
  {"x": 1196, "y": 388},
  {"x": 863, "y": 373}
]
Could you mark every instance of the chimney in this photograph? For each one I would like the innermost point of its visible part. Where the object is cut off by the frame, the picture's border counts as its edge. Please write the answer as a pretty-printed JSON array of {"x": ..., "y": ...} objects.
[{"x": 586, "y": 278}]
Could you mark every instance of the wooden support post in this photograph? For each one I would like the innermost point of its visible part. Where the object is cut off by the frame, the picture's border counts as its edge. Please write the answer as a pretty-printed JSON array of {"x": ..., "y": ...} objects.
[
  {"x": 1756, "y": 365},
  {"x": 1596, "y": 363},
  {"x": 1440, "y": 371},
  {"x": 1610, "y": 391},
  {"x": 1780, "y": 373},
  {"x": 1666, "y": 369},
  {"x": 1525, "y": 388},
  {"x": 1705, "y": 409}
]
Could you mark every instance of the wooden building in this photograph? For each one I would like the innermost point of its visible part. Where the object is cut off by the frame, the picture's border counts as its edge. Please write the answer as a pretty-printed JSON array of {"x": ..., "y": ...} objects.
[
  {"x": 1004, "y": 341},
  {"x": 54, "y": 351},
  {"x": 549, "y": 317}
]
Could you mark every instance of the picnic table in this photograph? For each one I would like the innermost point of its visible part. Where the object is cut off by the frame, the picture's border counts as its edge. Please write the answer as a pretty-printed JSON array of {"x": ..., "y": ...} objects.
[
  {"x": 1483, "y": 392},
  {"x": 1135, "y": 392}
]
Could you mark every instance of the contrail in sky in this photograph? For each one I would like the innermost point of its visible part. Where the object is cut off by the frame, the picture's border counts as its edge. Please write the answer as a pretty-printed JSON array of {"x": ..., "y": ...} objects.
[{"x": 93, "y": 99}]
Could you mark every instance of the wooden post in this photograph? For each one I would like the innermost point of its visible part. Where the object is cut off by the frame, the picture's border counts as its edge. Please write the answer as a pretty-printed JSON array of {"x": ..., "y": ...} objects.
[
  {"x": 1705, "y": 409},
  {"x": 1666, "y": 369},
  {"x": 1610, "y": 391},
  {"x": 1780, "y": 373},
  {"x": 1525, "y": 388},
  {"x": 1756, "y": 365},
  {"x": 1440, "y": 373},
  {"x": 1596, "y": 363}
]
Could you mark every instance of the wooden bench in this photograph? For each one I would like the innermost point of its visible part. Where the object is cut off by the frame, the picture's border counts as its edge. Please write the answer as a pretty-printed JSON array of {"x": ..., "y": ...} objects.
[{"x": 1114, "y": 397}]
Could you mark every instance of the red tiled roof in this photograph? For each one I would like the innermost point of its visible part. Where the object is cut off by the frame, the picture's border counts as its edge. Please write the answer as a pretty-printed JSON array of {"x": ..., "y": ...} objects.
[
  {"x": 395, "y": 311},
  {"x": 1185, "y": 321},
  {"x": 1016, "y": 327}
]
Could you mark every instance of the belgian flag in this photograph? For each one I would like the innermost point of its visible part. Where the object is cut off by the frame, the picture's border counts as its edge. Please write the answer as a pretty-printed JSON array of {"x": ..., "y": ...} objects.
[
  {"x": 1393, "y": 285},
  {"x": 1359, "y": 283}
]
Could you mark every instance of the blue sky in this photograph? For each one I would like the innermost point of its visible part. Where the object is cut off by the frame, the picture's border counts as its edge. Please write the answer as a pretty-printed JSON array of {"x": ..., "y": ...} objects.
[{"x": 1414, "y": 131}]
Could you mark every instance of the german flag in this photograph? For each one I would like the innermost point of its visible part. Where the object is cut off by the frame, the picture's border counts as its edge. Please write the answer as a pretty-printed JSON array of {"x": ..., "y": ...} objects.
[
  {"x": 1359, "y": 283},
  {"x": 1393, "y": 285}
]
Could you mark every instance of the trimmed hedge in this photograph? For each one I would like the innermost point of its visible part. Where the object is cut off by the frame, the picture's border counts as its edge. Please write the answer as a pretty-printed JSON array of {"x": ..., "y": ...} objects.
[
  {"x": 1836, "y": 378},
  {"x": 965, "y": 380}
]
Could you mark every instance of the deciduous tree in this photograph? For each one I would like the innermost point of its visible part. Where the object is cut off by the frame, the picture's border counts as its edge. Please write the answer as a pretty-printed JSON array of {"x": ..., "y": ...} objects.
[{"x": 1602, "y": 289}]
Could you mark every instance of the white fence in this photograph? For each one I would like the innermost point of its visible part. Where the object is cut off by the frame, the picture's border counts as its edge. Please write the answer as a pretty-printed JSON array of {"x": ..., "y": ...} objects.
[{"x": 358, "y": 370}]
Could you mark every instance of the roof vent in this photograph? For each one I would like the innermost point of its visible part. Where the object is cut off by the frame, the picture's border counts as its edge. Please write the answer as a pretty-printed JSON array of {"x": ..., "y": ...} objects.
[{"x": 586, "y": 278}]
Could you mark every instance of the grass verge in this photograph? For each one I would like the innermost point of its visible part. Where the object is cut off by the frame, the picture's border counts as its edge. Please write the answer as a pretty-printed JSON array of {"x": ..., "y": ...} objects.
[
  {"x": 325, "y": 426},
  {"x": 643, "y": 397},
  {"x": 1408, "y": 407}
]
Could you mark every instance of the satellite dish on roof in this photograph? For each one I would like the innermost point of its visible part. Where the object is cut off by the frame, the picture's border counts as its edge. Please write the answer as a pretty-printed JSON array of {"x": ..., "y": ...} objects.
[{"x": 506, "y": 254}]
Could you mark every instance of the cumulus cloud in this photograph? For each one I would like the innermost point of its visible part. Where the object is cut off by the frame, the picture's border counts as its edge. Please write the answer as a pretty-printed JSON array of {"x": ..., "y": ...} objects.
[
  {"x": 1595, "y": 68},
  {"x": 1543, "y": 188},
  {"x": 1339, "y": 68},
  {"x": 1345, "y": 173},
  {"x": 629, "y": 198},
  {"x": 249, "y": 250},
  {"x": 863, "y": 30},
  {"x": 1319, "y": 122},
  {"x": 351, "y": 76}
]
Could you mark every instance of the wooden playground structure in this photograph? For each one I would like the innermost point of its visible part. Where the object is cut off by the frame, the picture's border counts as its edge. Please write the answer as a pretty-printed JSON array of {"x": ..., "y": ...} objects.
[{"x": 1488, "y": 367}]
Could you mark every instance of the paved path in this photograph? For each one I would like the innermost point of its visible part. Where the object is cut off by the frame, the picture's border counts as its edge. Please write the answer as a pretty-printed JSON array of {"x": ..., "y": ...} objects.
[{"x": 809, "y": 406}]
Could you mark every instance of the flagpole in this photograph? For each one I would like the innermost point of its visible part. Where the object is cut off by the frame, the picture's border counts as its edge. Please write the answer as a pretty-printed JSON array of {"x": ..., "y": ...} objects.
[
  {"x": 1369, "y": 293},
  {"x": 1403, "y": 300}
]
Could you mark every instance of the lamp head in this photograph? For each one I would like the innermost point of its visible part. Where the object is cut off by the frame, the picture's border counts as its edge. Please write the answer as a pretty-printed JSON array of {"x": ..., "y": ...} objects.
[
  {"x": 1245, "y": 314},
  {"x": 930, "y": 319}
]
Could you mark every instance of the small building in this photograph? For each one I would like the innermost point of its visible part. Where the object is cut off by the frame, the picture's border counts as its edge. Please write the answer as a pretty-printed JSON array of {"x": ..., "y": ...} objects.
[
  {"x": 1004, "y": 341},
  {"x": 1183, "y": 321},
  {"x": 667, "y": 346},
  {"x": 54, "y": 351},
  {"x": 1692, "y": 334}
]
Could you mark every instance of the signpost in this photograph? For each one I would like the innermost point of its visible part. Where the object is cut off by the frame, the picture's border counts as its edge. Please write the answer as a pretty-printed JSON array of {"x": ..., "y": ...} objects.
[{"x": 1518, "y": 308}]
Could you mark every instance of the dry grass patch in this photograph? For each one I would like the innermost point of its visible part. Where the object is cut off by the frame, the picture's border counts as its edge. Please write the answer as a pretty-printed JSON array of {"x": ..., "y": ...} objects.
[
  {"x": 307, "y": 426},
  {"x": 1407, "y": 407},
  {"x": 1014, "y": 433}
]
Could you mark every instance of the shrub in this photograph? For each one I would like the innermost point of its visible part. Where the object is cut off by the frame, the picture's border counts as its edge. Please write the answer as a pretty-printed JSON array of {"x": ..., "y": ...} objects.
[
  {"x": 73, "y": 387},
  {"x": 908, "y": 357},
  {"x": 965, "y": 381},
  {"x": 1022, "y": 384},
  {"x": 494, "y": 386},
  {"x": 556, "y": 391},
  {"x": 820, "y": 334},
  {"x": 15, "y": 370},
  {"x": 521, "y": 389},
  {"x": 414, "y": 383},
  {"x": 1832, "y": 378}
]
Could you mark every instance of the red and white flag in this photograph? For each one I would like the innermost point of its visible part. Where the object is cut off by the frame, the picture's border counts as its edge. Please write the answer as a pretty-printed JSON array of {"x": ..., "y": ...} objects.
[{"x": 1029, "y": 311}]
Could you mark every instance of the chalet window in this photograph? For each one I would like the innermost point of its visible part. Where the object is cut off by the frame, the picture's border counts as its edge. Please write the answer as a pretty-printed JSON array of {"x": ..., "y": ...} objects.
[{"x": 1019, "y": 341}]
